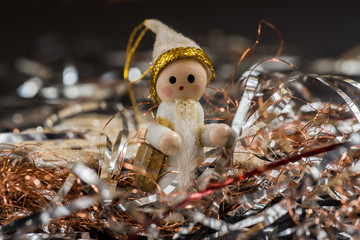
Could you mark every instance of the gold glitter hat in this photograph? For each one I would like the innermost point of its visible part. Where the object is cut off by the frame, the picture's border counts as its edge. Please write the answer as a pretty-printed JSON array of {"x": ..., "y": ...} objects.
[{"x": 169, "y": 46}]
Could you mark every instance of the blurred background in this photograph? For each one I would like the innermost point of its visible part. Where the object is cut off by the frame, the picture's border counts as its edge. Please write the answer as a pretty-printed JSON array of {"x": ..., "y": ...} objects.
[{"x": 53, "y": 52}]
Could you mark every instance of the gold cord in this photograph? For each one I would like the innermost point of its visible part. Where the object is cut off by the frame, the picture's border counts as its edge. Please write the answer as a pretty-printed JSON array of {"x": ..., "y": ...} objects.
[
  {"x": 130, "y": 50},
  {"x": 165, "y": 122}
]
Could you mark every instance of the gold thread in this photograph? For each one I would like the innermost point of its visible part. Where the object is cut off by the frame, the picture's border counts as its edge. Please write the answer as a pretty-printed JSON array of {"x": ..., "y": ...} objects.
[
  {"x": 165, "y": 122},
  {"x": 143, "y": 75},
  {"x": 172, "y": 55},
  {"x": 130, "y": 50}
]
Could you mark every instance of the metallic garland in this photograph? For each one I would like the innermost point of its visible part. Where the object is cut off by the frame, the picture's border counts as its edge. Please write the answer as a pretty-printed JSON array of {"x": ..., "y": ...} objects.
[{"x": 299, "y": 186}]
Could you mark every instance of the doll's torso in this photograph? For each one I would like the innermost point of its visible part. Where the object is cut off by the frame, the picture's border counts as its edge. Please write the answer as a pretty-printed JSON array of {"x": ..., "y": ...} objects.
[{"x": 186, "y": 117}]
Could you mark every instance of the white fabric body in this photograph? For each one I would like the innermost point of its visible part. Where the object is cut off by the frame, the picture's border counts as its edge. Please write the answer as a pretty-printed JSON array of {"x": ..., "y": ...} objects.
[{"x": 187, "y": 117}]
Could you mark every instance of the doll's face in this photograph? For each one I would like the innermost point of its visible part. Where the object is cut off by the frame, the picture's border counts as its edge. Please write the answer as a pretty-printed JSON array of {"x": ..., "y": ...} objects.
[{"x": 181, "y": 79}]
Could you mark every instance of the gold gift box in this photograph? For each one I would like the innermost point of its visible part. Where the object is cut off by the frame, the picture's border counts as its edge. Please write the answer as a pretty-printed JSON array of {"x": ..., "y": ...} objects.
[{"x": 153, "y": 162}]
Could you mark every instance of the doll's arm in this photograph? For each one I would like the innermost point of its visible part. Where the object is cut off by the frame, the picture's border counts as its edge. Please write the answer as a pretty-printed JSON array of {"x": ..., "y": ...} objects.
[
  {"x": 163, "y": 139},
  {"x": 214, "y": 135}
]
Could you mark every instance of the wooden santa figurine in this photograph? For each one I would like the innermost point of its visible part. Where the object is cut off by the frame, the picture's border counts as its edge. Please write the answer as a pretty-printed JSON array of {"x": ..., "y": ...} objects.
[{"x": 178, "y": 78}]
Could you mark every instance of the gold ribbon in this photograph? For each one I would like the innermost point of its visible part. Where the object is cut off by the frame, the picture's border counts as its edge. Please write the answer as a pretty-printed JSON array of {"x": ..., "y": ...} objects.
[
  {"x": 165, "y": 122},
  {"x": 130, "y": 50}
]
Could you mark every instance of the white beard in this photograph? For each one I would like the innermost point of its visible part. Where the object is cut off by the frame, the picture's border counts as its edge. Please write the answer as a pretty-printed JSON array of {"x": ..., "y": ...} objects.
[{"x": 187, "y": 123}]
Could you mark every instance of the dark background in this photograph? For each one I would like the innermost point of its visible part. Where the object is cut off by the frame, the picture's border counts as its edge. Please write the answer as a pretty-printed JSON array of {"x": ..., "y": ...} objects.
[{"x": 316, "y": 28}]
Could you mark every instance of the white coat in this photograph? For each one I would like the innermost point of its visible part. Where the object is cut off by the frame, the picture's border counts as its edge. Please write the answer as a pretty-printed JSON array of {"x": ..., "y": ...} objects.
[{"x": 185, "y": 117}]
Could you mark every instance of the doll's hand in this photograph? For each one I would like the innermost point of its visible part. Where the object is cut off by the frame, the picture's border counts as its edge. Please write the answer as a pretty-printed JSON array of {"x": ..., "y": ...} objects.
[
  {"x": 218, "y": 134},
  {"x": 169, "y": 143}
]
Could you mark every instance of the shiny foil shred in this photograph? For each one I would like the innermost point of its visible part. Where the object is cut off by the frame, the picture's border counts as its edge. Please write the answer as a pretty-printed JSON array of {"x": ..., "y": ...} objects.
[{"x": 290, "y": 170}]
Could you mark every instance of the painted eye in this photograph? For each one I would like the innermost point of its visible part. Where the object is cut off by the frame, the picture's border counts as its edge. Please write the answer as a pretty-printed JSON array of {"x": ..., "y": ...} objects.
[
  {"x": 191, "y": 78},
  {"x": 172, "y": 79}
]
